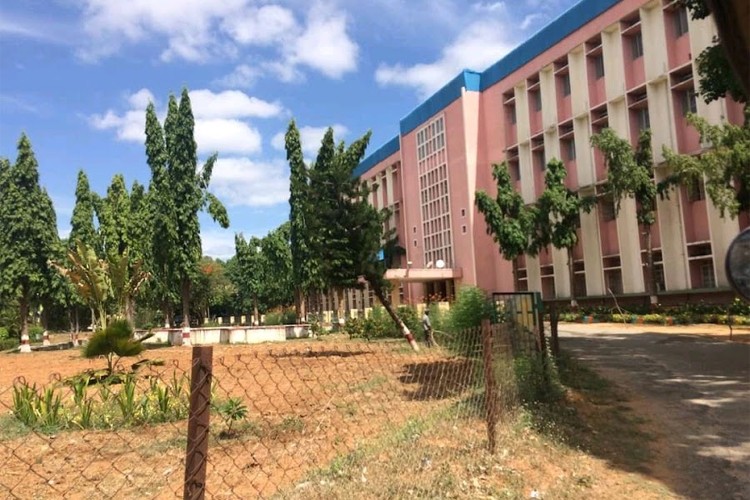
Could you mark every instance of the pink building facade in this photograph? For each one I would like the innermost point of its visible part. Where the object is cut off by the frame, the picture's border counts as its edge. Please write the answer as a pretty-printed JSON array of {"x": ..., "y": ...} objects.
[{"x": 626, "y": 65}]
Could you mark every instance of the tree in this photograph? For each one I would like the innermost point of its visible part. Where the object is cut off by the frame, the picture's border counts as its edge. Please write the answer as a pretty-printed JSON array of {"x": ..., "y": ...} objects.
[
  {"x": 305, "y": 273},
  {"x": 82, "y": 230},
  {"x": 82, "y": 221},
  {"x": 630, "y": 175},
  {"x": 161, "y": 208},
  {"x": 29, "y": 235},
  {"x": 188, "y": 188},
  {"x": 349, "y": 231},
  {"x": 725, "y": 167},
  {"x": 252, "y": 270},
  {"x": 508, "y": 218},
  {"x": 715, "y": 75},
  {"x": 113, "y": 213},
  {"x": 213, "y": 289},
  {"x": 279, "y": 289},
  {"x": 90, "y": 278},
  {"x": 556, "y": 217}
]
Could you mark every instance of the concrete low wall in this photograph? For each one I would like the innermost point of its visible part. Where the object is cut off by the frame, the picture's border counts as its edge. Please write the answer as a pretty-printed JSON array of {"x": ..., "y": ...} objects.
[{"x": 229, "y": 335}]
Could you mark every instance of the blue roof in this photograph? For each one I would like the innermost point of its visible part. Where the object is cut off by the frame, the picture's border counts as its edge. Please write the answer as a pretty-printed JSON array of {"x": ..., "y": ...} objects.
[
  {"x": 440, "y": 100},
  {"x": 379, "y": 155},
  {"x": 571, "y": 20}
]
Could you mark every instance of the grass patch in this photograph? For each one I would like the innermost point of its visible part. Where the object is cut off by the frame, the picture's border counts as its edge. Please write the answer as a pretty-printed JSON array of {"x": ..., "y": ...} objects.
[
  {"x": 591, "y": 417},
  {"x": 370, "y": 384}
]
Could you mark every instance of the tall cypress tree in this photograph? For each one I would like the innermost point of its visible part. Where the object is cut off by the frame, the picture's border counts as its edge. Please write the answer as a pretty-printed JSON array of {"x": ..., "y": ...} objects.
[
  {"x": 29, "y": 236},
  {"x": 188, "y": 188},
  {"x": 82, "y": 220},
  {"x": 160, "y": 208},
  {"x": 113, "y": 213},
  {"x": 304, "y": 268}
]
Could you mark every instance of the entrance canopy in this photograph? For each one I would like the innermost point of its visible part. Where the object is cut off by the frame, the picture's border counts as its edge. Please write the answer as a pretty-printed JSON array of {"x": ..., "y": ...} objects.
[{"x": 422, "y": 275}]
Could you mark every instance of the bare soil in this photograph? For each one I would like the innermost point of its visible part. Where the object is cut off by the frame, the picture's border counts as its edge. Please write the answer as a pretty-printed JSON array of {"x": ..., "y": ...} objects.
[{"x": 319, "y": 411}]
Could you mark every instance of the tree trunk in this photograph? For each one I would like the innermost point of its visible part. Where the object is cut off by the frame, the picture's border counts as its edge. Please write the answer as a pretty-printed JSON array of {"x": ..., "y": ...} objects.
[
  {"x": 93, "y": 320},
  {"x": 650, "y": 272},
  {"x": 129, "y": 310},
  {"x": 256, "y": 316},
  {"x": 572, "y": 278},
  {"x": 23, "y": 305},
  {"x": 78, "y": 322},
  {"x": 298, "y": 300},
  {"x": 514, "y": 262},
  {"x": 185, "y": 293},
  {"x": 389, "y": 309},
  {"x": 167, "y": 314}
]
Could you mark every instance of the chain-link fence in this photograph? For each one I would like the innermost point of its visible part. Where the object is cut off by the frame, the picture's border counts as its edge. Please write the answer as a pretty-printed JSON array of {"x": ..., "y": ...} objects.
[{"x": 331, "y": 418}]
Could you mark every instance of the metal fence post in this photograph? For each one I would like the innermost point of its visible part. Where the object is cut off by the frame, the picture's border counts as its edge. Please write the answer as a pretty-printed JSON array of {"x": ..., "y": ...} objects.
[
  {"x": 490, "y": 396},
  {"x": 197, "y": 436}
]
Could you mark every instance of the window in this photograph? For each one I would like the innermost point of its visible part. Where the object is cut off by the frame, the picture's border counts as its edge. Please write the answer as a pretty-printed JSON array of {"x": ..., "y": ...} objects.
[
  {"x": 659, "y": 277},
  {"x": 642, "y": 119},
  {"x": 614, "y": 281},
  {"x": 463, "y": 212},
  {"x": 687, "y": 98},
  {"x": 537, "y": 98},
  {"x": 599, "y": 67},
  {"x": 607, "y": 207},
  {"x": 570, "y": 149},
  {"x": 566, "y": 85},
  {"x": 680, "y": 21},
  {"x": 515, "y": 170},
  {"x": 512, "y": 114},
  {"x": 708, "y": 280},
  {"x": 539, "y": 160},
  {"x": 636, "y": 45},
  {"x": 696, "y": 190}
]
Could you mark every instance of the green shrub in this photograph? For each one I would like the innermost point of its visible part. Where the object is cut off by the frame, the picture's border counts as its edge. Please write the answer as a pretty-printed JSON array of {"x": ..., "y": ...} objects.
[
  {"x": 6, "y": 344},
  {"x": 568, "y": 317},
  {"x": 36, "y": 332},
  {"x": 355, "y": 327},
  {"x": 410, "y": 318},
  {"x": 470, "y": 308},
  {"x": 273, "y": 318},
  {"x": 439, "y": 318},
  {"x": 380, "y": 325},
  {"x": 4, "y": 334},
  {"x": 536, "y": 380},
  {"x": 114, "y": 342},
  {"x": 289, "y": 316},
  {"x": 653, "y": 319}
]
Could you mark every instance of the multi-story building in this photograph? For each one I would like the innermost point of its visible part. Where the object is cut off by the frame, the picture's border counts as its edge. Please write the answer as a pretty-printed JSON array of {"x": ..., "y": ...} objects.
[{"x": 623, "y": 64}]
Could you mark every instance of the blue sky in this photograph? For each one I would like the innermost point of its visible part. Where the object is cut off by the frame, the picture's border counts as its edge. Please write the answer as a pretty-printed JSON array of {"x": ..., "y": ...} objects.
[{"x": 76, "y": 76}]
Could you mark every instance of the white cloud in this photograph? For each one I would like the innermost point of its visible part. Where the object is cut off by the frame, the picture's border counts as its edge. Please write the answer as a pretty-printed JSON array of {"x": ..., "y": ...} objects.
[
  {"x": 325, "y": 44},
  {"x": 218, "y": 243},
  {"x": 202, "y": 31},
  {"x": 231, "y": 104},
  {"x": 479, "y": 45},
  {"x": 242, "y": 181},
  {"x": 243, "y": 76},
  {"x": 261, "y": 26},
  {"x": 227, "y": 136},
  {"x": 310, "y": 138},
  {"x": 220, "y": 120}
]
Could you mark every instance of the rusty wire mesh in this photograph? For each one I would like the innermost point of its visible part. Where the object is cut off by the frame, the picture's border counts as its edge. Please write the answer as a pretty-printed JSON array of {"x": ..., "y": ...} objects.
[{"x": 331, "y": 418}]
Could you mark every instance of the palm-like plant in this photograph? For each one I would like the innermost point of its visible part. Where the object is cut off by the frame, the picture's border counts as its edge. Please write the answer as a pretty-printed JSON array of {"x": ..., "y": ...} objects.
[{"x": 114, "y": 342}]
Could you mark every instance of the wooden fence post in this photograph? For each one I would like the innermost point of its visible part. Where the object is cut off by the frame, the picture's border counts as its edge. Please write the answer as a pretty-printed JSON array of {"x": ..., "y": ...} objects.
[
  {"x": 197, "y": 436},
  {"x": 490, "y": 396}
]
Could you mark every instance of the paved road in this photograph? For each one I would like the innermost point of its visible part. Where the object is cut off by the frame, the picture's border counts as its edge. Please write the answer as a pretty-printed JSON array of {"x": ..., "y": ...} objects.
[{"x": 695, "y": 390}]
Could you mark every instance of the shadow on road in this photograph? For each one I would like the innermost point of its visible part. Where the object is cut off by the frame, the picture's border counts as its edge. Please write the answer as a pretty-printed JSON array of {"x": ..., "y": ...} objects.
[{"x": 696, "y": 394}]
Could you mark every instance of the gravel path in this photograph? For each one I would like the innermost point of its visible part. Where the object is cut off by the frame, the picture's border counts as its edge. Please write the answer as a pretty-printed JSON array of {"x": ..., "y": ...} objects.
[{"x": 694, "y": 390}]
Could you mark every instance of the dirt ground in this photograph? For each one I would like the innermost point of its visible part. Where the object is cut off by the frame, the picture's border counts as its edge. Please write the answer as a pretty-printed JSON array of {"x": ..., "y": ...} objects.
[{"x": 320, "y": 412}]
